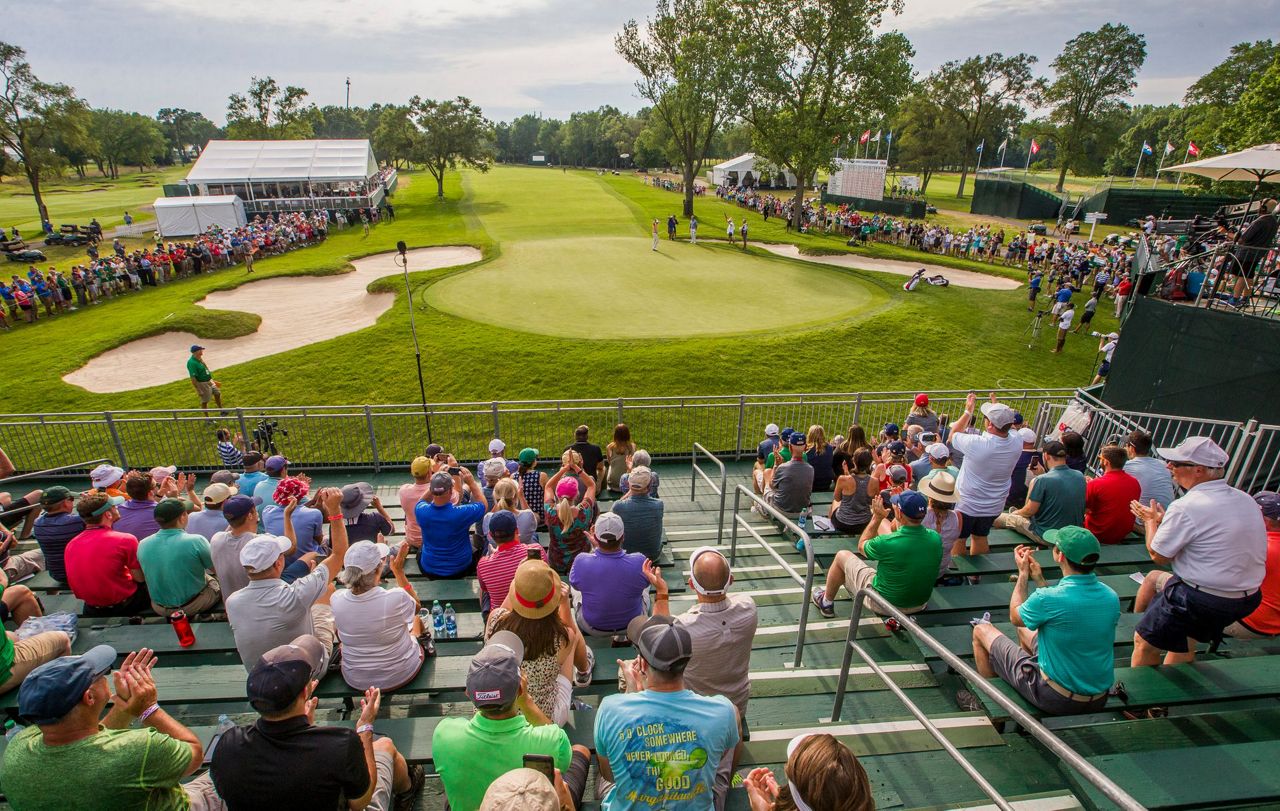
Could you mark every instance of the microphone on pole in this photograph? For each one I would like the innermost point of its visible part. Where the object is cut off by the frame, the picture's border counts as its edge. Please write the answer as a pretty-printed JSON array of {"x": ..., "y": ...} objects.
[{"x": 402, "y": 248}]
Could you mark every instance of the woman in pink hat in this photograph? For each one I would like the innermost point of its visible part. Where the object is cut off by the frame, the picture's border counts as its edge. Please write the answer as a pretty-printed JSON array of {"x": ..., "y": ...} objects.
[{"x": 568, "y": 522}]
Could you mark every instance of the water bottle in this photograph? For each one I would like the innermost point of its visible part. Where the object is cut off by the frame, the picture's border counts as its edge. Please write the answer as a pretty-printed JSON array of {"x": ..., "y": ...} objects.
[
  {"x": 224, "y": 723},
  {"x": 450, "y": 621},
  {"x": 11, "y": 728},
  {"x": 437, "y": 620},
  {"x": 182, "y": 627}
]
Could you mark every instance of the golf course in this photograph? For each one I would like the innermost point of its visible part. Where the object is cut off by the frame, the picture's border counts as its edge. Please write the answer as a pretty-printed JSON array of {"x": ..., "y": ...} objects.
[{"x": 567, "y": 299}]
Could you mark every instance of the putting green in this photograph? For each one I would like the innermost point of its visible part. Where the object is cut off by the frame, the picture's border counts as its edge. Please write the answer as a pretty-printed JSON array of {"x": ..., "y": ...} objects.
[{"x": 618, "y": 288}]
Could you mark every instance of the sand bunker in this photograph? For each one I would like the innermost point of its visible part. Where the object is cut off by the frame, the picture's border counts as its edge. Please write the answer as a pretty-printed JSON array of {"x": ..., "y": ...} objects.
[
  {"x": 960, "y": 278},
  {"x": 289, "y": 307}
]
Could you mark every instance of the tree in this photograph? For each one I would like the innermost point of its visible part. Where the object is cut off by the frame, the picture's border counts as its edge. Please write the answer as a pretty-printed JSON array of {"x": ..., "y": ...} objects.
[
  {"x": 126, "y": 139},
  {"x": 29, "y": 114},
  {"x": 395, "y": 137},
  {"x": 452, "y": 133},
  {"x": 1255, "y": 118},
  {"x": 549, "y": 138},
  {"x": 70, "y": 124},
  {"x": 977, "y": 92},
  {"x": 1227, "y": 81},
  {"x": 341, "y": 122},
  {"x": 524, "y": 137},
  {"x": 918, "y": 128},
  {"x": 269, "y": 112},
  {"x": 183, "y": 128},
  {"x": 686, "y": 73},
  {"x": 809, "y": 68},
  {"x": 1094, "y": 71}
]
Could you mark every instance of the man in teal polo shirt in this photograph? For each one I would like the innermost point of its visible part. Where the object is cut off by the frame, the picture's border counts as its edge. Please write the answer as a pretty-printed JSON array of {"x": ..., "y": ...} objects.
[
  {"x": 1055, "y": 498},
  {"x": 177, "y": 564},
  {"x": 469, "y": 754},
  {"x": 1063, "y": 660}
]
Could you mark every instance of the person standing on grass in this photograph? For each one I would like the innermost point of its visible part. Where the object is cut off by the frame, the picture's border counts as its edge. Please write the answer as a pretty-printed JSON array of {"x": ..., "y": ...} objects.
[
  {"x": 1064, "y": 326},
  {"x": 693, "y": 231},
  {"x": 729, "y": 227},
  {"x": 671, "y": 227},
  {"x": 744, "y": 233},
  {"x": 202, "y": 379},
  {"x": 655, "y": 233}
]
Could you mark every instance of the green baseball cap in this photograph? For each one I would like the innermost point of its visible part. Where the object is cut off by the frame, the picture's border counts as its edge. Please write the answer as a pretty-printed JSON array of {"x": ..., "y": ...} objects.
[
  {"x": 170, "y": 508},
  {"x": 528, "y": 456},
  {"x": 1078, "y": 544},
  {"x": 55, "y": 495}
]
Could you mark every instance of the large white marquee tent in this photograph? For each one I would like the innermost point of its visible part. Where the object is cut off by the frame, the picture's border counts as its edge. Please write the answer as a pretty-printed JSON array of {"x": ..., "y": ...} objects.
[
  {"x": 327, "y": 161},
  {"x": 742, "y": 171},
  {"x": 185, "y": 216}
]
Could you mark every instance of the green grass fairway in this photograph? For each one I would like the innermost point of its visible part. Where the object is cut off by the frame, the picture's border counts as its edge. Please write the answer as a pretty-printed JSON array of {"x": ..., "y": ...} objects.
[{"x": 680, "y": 290}]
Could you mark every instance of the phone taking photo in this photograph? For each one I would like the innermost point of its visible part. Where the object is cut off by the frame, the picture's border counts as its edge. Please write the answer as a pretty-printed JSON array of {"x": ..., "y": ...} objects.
[{"x": 543, "y": 764}]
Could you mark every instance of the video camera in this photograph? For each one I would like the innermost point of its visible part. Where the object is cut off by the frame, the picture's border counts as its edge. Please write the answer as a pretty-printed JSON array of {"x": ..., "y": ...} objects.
[{"x": 264, "y": 431}]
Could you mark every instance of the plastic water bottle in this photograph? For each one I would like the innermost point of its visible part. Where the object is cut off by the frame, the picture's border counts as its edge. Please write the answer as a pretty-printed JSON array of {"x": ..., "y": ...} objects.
[
  {"x": 437, "y": 620},
  {"x": 803, "y": 522},
  {"x": 224, "y": 723},
  {"x": 11, "y": 728},
  {"x": 450, "y": 621}
]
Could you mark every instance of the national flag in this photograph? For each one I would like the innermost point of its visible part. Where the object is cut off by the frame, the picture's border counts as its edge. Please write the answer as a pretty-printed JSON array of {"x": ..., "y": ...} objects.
[
  {"x": 876, "y": 137},
  {"x": 1003, "y": 144},
  {"x": 1168, "y": 147},
  {"x": 1034, "y": 146},
  {"x": 888, "y": 136},
  {"x": 981, "y": 144},
  {"x": 1192, "y": 149},
  {"x": 1146, "y": 148},
  {"x": 865, "y": 137}
]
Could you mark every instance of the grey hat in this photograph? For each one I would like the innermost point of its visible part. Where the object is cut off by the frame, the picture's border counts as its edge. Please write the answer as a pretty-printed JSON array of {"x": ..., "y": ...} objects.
[
  {"x": 224, "y": 477},
  {"x": 441, "y": 483},
  {"x": 662, "y": 641},
  {"x": 493, "y": 680},
  {"x": 356, "y": 497}
]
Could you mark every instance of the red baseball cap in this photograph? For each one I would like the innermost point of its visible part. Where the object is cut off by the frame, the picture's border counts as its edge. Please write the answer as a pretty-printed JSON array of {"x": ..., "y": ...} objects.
[{"x": 922, "y": 399}]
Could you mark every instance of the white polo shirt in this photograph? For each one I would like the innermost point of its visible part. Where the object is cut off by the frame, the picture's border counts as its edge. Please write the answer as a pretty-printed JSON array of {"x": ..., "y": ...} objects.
[
  {"x": 1216, "y": 538},
  {"x": 986, "y": 472},
  {"x": 377, "y": 650}
]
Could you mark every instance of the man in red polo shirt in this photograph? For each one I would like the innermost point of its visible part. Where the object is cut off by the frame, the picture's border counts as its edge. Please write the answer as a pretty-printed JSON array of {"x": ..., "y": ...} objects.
[
  {"x": 496, "y": 570},
  {"x": 1107, "y": 498},
  {"x": 102, "y": 564}
]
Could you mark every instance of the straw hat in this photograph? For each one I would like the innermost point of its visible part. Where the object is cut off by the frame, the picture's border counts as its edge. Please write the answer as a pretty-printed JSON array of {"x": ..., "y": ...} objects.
[
  {"x": 536, "y": 589},
  {"x": 940, "y": 486}
]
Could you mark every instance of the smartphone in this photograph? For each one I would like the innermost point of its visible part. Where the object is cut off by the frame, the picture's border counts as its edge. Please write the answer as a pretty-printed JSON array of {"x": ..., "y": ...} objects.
[
  {"x": 543, "y": 764},
  {"x": 208, "y": 750},
  {"x": 455, "y": 471},
  {"x": 533, "y": 554},
  {"x": 886, "y": 498}
]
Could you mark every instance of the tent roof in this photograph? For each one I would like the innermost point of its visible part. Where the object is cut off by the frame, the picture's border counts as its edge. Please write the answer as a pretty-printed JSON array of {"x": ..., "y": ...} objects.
[
  {"x": 240, "y": 161},
  {"x": 744, "y": 162},
  {"x": 207, "y": 200},
  {"x": 1257, "y": 164}
]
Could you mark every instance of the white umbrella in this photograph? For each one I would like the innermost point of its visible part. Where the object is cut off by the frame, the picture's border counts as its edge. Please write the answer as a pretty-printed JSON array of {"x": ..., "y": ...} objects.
[{"x": 1260, "y": 164}]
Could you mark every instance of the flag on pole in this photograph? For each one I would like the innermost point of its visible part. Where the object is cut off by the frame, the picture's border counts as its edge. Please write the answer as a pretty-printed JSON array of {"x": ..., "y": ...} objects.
[
  {"x": 888, "y": 136},
  {"x": 1034, "y": 146},
  {"x": 1003, "y": 144},
  {"x": 1146, "y": 149},
  {"x": 866, "y": 136},
  {"x": 1168, "y": 147},
  {"x": 1192, "y": 149},
  {"x": 877, "y": 135},
  {"x": 981, "y": 144}
]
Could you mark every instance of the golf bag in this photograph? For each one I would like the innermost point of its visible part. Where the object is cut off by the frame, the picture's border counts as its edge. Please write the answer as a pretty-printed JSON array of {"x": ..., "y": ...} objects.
[{"x": 910, "y": 284}]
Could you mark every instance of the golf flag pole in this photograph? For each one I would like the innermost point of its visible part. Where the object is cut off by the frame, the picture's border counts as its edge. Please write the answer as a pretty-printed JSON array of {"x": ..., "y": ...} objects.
[{"x": 878, "y": 134}]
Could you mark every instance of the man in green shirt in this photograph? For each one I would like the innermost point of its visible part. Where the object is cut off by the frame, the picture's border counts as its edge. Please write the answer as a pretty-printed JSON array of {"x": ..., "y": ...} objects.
[
  {"x": 67, "y": 755},
  {"x": 1055, "y": 498},
  {"x": 177, "y": 564},
  {"x": 469, "y": 754},
  {"x": 1063, "y": 661},
  {"x": 202, "y": 378},
  {"x": 909, "y": 559}
]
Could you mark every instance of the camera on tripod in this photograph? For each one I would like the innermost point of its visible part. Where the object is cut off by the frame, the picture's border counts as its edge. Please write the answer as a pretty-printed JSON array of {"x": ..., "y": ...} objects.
[
  {"x": 1098, "y": 334},
  {"x": 264, "y": 431}
]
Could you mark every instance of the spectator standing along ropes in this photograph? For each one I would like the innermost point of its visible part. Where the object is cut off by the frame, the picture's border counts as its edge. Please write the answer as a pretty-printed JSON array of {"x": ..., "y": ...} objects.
[{"x": 202, "y": 379}]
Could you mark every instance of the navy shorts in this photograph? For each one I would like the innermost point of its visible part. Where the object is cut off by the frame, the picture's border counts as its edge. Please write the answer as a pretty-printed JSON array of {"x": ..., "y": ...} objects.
[
  {"x": 1104, "y": 369},
  {"x": 1180, "y": 612},
  {"x": 979, "y": 525}
]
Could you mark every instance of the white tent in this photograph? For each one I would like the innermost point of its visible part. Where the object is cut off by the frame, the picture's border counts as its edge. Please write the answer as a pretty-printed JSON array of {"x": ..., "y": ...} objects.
[
  {"x": 284, "y": 161},
  {"x": 186, "y": 216},
  {"x": 742, "y": 171}
]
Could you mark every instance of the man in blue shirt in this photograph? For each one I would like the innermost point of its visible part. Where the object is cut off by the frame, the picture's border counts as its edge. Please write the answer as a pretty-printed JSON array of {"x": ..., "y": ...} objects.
[
  {"x": 55, "y": 528},
  {"x": 252, "y": 475},
  {"x": 1063, "y": 660},
  {"x": 447, "y": 552},
  {"x": 277, "y": 468},
  {"x": 770, "y": 442},
  {"x": 643, "y": 515}
]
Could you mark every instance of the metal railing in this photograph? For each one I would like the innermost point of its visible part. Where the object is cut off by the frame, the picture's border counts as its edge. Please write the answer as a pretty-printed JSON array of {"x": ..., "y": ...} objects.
[
  {"x": 1041, "y": 733},
  {"x": 78, "y": 467},
  {"x": 721, "y": 490},
  {"x": 805, "y": 581},
  {"x": 1260, "y": 467}
]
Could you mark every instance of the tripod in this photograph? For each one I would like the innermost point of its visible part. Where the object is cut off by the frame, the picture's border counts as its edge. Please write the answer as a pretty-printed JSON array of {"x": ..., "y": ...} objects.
[{"x": 1034, "y": 328}]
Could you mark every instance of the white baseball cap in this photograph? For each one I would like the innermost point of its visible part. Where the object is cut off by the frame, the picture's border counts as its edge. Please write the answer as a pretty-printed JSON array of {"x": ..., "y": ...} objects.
[
  {"x": 105, "y": 475},
  {"x": 497, "y": 446},
  {"x": 493, "y": 469},
  {"x": 1198, "y": 450},
  {"x": 366, "y": 556},
  {"x": 262, "y": 552},
  {"x": 1001, "y": 415},
  {"x": 609, "y": 527},
  {"x": 938, "y": 451},
  {"x": 1027, "y": 436},
  {"x": 771, "y": 429}
]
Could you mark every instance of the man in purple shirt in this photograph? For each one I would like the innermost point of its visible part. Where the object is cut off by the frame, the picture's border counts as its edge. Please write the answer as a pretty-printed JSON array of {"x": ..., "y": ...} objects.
[
  {"x": 136, "y": 517},
  {"x": 610, "y": 585}
]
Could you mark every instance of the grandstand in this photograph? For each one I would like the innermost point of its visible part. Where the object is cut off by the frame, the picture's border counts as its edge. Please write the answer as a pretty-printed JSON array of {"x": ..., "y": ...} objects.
[{"x": 1214, "y": 749}]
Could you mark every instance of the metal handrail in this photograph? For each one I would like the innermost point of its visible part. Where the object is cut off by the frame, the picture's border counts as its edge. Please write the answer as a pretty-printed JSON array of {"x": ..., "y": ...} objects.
[
  {"x": 806, "y": 581},
  {"x": 721, "y": 491},
  {"x": 39, "y": 473},
  {"x": 1041, "y": 733}
]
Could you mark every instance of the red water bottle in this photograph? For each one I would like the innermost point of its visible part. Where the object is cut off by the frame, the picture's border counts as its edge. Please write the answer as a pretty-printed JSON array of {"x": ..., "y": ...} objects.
[{"x": 182, "y": 627}]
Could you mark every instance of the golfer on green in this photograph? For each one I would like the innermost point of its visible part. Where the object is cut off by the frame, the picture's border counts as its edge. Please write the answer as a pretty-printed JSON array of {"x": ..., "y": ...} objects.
[{"x": 202, "y": 378}]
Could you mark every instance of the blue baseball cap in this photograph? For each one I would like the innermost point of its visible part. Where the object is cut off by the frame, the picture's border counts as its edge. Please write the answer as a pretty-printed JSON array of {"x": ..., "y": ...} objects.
[
  {"x": 786, "y": 433},
  {"x": 891, "y": 429},
  {"x": 237, "y": 507},
  {"x": 912, "y": 503},
  {"x": 196, "y": 347},
  {"x": 55, "y": 688},
  {"x": 503, "y": 522}
]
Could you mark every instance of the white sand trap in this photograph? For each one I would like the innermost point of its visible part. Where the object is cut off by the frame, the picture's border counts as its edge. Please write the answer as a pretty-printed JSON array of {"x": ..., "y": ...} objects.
[
  {"x": 960, "y": 278},
  {"x": 296, "y": 311}
]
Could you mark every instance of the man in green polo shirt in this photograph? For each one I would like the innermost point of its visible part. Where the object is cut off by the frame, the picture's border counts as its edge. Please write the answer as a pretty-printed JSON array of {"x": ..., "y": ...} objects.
[
  {"x": 1055, "y": 498},
  {"x": 177, "y": 564},
  {"x": 469, "y": 754},
  {"x": 1063, "y": 661},
  {"x": 202, "y": 378},
  {"x": 909, "y": 559}
]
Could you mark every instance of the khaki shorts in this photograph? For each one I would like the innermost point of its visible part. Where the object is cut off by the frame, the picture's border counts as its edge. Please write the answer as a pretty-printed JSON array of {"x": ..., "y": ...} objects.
[
  {"x": 202, "y": 795},
  {"x": 325, "y": 630},
  {"x": 1019, "y": 524},
  {"x": 858, "y": 576},
  {"x": 205, "y": 389},
  {"x": 205, "y": 599},
  {"x": 30, "y": 653},
  {"x": 384, "y": 764}
]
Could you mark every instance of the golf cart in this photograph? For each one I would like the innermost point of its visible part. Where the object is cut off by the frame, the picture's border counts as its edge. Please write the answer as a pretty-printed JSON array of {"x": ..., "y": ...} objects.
[
  {"x": 15, "y": 250},
  {"x": 71, "y": 235},
  {"x": 1037, "y": 228}
]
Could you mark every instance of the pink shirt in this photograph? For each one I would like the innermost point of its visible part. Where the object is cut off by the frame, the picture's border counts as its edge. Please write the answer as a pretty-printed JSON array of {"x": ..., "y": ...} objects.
[{"x": 410, "y": 495}]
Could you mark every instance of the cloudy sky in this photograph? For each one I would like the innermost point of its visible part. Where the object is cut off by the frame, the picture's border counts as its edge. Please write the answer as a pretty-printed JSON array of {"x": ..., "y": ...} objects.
[{"x": 516, "y": 56}]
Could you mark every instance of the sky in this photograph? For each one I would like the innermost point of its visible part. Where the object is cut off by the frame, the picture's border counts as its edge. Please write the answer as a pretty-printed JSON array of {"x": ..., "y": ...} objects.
[{"x": 512, "y": 57}]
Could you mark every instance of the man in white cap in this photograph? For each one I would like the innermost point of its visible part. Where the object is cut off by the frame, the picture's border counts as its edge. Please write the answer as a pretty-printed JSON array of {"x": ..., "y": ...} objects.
[
  {"x": 210, "y": 520},
  {"x": 770, "y": 443},
  {"x": 983, "y": 483},
  {"x": 1107, "y": 346},
  {"x": 524, "y": 789},
  {"x": 269, "y": 612},
  {"x": 1216, "y": 542},
  {"x": 937, "y": 456},
  {"x": 496, "y": 448},
  {"x": 107, "y": 478}
]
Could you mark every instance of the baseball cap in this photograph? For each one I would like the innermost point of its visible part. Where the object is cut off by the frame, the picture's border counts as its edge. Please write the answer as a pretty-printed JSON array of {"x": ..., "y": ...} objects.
[
  {"x": 521, "y": 789},
  {"x": 196, "y": 347},
  {"x": 897, "y": 446},
  {"x": 440, "y": 483},
  {"x": 771, "y": 429},
  {"x": 170, "y": 509},
  {"x": 366, "y": 555},
  {"x": 1001, "y": 415},
  {"x": 290, "y": 487},
  {"x": 786, "y": 433},
  {"x": 355, "y": 497},
  {"x": 493, "y": 469},
  {"x": 567, "y": 488},
  {"x": 162, "y": 472},
  {"x": 1027, "y": 436},
  {"x": 898, "y": 473},
  {"x": 54, "y": 688},
  {"x": 276, "y": 463},
  {"x": 912, "y": 504},
  {"x": 105, "y": 475},
  {"x": 939, "y": 486},
  {"x": 639, "y": 479},
  {"x": 55, "y": 495},
  {"x": 922, "y": 400},
  {"x": 283, "y": 673},
  {"x": 493, "y": 679},
  {"x": 1055, "y": 449},
  {"x": 1078, "y": 544},
  {"x": 216, "y": 493},
  {"x": 431, "y": 450},
  {"x": 502, "y": 522},
  {"x": 1197, "y": 450},
  {"x": 528, "y": 456},
  {"x": 226, "y": 477},
  {"x": 610, "y": 527},
  {"x": 536, "y": 590},
  {"x": 237, "y": 507},
  {"x": 251, "y": 458},
  {"x": 1113, "y": 335},
  {"x": 1269, "y": 502},
  {"x": 420, "y": 467},
  {"x": 664, "y": 643},
  {"x": 938, "y": 451},
  {"x": 796, "y": 438},
  {"x": 891, "y": 429},
  {"x": 497, "y": 446},
  {"x": 262, "y": 552},
  {"x": 1018, "y": 419}
]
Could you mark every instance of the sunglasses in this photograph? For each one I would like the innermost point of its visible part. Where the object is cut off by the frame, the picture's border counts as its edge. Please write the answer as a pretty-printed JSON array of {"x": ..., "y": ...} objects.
[{"x": 1182, "y": 464}]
